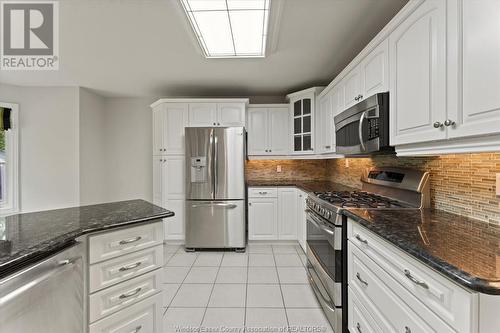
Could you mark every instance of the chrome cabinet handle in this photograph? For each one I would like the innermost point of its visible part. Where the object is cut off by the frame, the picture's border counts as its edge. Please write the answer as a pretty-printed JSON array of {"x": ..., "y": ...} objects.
[
  {"x": 130, "y": 294},
  {"x": 130, "y": 240},
  {"x": 358, "y": 276},
  {"x": 137, "y": 329},
  {"x": 262, "y": 192},
  {"x": 129, "y": 267},
  {"x": 216, "y": 204},
  {"x": 414, "y": 280},
  {"x": 358, "y": 237},
  {"x": 449, "y": 122},
  {"x": 358, "y": 327},
  {"x": 407, "y": 329},
  {"x": 328, "y": 147},
  {"x": 437, "y": 124}
]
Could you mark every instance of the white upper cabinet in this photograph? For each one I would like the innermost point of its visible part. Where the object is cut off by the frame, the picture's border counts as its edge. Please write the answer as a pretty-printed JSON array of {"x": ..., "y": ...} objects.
[
  {"x": 302, "y": 114},
  {"x": 375, "y": 71},
  {"x": 268, "y": 130},
  {"x": 279, "y": 131},
  {"x": 258, "y": 130},
  {"x": 231, "y": 114},
  {"x": 417, "y": 56},
  {"x": 216, "y": 114},
  {"x": 352, "y": 88},
  {"x": 202, "y": 114},
  {"x": 175, "y": 118},
  {"x": 158, "y": 130},
  {"x": 325, "y": 127},
  {"x": 479, "y": 112}
]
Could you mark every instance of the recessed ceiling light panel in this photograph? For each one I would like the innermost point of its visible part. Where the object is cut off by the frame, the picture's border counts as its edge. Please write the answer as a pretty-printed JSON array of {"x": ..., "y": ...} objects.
[{"x": 229, "y": 28}]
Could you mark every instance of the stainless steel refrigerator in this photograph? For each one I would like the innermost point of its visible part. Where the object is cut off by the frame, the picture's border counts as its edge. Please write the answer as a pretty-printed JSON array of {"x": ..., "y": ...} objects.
[{"x": 215, "y": 187}]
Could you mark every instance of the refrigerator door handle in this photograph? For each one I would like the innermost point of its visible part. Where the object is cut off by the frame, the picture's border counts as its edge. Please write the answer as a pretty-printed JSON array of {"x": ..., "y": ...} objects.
[
  {"x": 215, "y": 171},
  {"x": 212, "y": 164},
  {"x": 225, "y": 205}
]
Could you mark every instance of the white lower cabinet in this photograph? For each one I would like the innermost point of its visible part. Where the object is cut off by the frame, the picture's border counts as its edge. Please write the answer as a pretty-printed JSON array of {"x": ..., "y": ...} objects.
[
  {"x": 301, "y": 218},
  {"x": 395, "y": 293},
  {"x": 276, "y": 213},
  {"x": 174, "y": 227},
  {"x": 125, "y": 291}
]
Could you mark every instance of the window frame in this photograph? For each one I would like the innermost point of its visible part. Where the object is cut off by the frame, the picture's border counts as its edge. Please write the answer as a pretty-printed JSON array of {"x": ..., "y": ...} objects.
[{"x": 11, "y": 205}]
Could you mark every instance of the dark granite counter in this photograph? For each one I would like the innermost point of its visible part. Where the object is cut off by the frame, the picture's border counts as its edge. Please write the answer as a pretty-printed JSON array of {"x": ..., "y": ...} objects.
[
  {"x": 27, "y": 238},
  {"x": 465, "y": 250},
  {"x": 307, "y": 186}
]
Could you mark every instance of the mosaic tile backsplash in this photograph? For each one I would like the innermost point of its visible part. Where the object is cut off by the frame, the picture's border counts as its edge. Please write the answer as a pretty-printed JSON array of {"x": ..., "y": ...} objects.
[{"x": 463, "y": 184}]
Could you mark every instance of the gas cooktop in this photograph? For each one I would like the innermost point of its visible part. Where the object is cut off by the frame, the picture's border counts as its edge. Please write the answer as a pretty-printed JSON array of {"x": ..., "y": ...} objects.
[{"x": 359, "y": 199}]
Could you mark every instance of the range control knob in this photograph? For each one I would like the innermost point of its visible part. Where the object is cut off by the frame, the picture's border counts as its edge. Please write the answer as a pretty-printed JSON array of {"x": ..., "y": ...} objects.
[
  {"x": 328, "y": 214},
  {"x": 322, "y": 211}
]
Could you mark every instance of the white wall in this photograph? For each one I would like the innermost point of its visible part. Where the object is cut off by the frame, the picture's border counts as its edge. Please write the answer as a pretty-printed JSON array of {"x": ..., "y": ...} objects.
[
  {"x": 93, "y": 177},
  {"x": 49, "y": 145},
  {"x": 128, "y": 138}
]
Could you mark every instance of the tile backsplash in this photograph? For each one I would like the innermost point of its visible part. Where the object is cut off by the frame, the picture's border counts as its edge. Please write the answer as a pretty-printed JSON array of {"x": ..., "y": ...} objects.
[{"x": 463, "y": 184}]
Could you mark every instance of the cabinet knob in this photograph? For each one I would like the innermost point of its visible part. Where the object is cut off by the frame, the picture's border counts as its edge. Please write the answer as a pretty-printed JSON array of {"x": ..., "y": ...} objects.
[
  {"x": 449, "y": 122},
  {"x": 358, "y": 327},
  {"x": 218, "y": 124},
  {"x": 270, "y": 150},
  {"x": 249, "y": 203},
  {"x": 328, "y": 147},
  {"x": 437, "y": 124},
  {"x": 407, "y": 329}
]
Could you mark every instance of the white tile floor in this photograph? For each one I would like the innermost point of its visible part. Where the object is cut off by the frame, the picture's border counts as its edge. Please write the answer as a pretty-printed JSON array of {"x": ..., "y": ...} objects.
[{"x": 262, "y": 290}]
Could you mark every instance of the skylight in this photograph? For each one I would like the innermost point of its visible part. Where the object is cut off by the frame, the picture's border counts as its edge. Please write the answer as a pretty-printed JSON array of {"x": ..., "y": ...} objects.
[{"x": 229, "y": 28}]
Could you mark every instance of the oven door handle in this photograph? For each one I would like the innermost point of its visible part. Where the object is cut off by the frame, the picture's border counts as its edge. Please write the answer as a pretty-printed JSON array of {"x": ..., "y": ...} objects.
[
  {"x": 320, "y": 225},
  {"x": 360, "y": 131}
]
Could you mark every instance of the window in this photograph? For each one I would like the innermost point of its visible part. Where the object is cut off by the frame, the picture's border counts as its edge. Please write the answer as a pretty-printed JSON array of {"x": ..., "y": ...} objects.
[{"x": 9, "y": 184}]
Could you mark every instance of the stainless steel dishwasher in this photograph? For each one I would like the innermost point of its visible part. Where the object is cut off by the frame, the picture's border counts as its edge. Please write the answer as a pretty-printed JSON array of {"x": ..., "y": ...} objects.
[{"x": 47, "y": 296}]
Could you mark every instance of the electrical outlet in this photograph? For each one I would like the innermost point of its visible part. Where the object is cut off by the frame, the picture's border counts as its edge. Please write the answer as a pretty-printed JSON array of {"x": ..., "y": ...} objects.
[
  {"x": 346, "y": 162},
  {"x": 498, "y": 184},
  {"x": 278, "y": 168}
]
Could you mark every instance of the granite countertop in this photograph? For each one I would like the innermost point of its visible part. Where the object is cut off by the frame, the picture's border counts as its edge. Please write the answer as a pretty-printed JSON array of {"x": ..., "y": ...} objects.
[
  {"x": 463, "y": 249},
  {"x": 305, "y": 185},
  {"x": 30, "y": 237}
]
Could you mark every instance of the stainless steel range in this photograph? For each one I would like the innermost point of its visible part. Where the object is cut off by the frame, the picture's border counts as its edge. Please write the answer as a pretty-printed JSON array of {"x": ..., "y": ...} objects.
[{"x": 387, "y": 188}]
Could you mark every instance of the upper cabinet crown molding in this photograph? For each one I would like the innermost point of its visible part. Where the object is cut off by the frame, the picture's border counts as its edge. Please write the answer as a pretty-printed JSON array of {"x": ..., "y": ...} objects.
[{"x": 200, "y": 100}]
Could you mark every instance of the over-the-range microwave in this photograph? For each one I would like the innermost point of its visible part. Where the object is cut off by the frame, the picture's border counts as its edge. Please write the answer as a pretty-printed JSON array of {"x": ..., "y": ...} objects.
[{"x": 363, "y": 129}]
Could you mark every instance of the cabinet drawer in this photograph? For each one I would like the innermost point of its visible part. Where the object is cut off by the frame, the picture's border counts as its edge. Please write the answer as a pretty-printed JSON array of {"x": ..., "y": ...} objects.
[
  {"x": 359, "y": 320},
  {"x": 375, "y": 291},
  {"x": 143, "y": 317},
  {"x": 113, "y": 299},
  {"x": 449, "y": 301},
  {"x": 262, "y": 192},
  {"x": 112, "y": 271},
  {"x": 113, "y": 244}
]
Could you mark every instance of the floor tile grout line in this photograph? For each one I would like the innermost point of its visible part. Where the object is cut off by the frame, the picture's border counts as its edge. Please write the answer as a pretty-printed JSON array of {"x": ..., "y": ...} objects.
[
  {"x": 246, "y": 295},
  {"x": 212, "y": 291},
  {"x": 281, "y": 291},
  {"x": 180, "y": 285}
]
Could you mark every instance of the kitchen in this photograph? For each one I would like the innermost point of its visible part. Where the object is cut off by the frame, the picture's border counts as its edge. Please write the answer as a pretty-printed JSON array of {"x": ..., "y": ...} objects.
[{"x": 359, "y": 192}]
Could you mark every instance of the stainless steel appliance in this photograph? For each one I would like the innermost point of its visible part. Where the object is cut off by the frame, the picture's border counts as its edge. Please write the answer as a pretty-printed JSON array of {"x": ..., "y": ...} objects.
[
  {"x": 215, "y": 187},
  {"x": 363, "y": 129},
  {"x": 48, "y": 296},
  {"x": 387, "y": 188}
]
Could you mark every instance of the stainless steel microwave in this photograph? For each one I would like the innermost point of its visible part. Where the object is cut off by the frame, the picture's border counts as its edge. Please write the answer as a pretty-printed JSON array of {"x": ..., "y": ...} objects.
[{"x": 363, "y": 129}]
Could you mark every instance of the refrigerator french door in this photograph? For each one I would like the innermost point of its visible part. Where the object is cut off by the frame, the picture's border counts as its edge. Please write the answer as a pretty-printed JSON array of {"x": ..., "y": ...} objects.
[{"x": 215, "y": 187}]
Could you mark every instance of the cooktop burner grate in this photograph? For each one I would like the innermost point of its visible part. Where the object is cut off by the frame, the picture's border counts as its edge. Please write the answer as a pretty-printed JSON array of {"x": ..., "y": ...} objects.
[{"x": 358, "y": 199}]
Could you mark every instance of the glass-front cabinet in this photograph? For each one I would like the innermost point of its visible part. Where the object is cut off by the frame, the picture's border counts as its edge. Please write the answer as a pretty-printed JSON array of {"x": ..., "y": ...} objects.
[{"x": 302, "y": 105}]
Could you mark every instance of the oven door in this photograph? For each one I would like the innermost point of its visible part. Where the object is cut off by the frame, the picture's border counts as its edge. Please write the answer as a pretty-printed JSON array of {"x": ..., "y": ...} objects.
[{"x": 324, "y": 253}]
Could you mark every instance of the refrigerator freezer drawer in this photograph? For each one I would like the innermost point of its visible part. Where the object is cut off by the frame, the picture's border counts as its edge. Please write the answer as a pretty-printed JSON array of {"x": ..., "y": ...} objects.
[{"x": 215, "y": 224}]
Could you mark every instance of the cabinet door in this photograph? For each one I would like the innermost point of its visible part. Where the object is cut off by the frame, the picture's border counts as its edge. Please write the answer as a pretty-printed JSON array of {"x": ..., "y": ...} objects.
[
  {"x": 258, "y": 131},
  {"x": 375, "y": 70},
  {"x": 263, "y": 219},
  {"x": 173, "y": 171},
  {"x": 202, "y": 114},
  {"x": 352, "y": 88},
  {"x": 303, "y": 124},
  {"x": 231, "y": 114},
  {"x": 324, "y": 126},
  {"x": 417, "y": 56},
  {"x": 158, "y": 130},
  {"x": 174, "y": 226},
  {"x": 157, "y": 180},
  {"x": 301, "y": 218},
  {"x": 278, "y": 130},
  {"x": 480, "y": 112},
  {"x": 175, "y": 118},
  {"x": 287, "y": 214}
]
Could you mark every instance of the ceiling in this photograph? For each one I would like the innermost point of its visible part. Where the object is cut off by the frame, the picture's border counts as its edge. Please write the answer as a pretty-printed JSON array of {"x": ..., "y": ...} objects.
[{"x": 146, "y": 48}]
